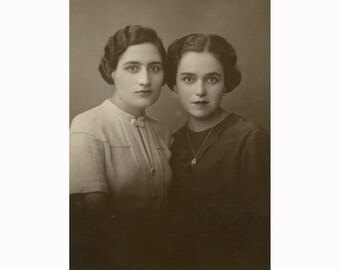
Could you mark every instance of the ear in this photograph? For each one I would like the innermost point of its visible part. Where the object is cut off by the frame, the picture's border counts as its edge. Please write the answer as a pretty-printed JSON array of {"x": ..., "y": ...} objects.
[{"x": 175, "y": 88}]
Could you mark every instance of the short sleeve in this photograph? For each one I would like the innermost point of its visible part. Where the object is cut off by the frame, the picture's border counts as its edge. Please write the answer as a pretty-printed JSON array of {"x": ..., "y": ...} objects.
[
  {"x": 256, "y": 153},
  {"x": 87, "y": 166},
  {"x": 255, "y": 168}
]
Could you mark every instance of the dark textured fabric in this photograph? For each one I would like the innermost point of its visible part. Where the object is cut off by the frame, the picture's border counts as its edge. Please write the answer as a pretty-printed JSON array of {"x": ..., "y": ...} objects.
[
  {"x": 126, "y": 241},
  {"x": 219, "y": 210}
]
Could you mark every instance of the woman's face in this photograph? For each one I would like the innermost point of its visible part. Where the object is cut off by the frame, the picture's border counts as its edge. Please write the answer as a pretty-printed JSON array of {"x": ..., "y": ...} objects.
[
  {"x": 200, "y": 84},
  {"x": 138, "y": 78}
]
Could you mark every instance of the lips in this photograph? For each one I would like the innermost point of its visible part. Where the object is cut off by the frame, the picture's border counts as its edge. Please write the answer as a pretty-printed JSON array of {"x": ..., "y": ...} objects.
[
  {"x": 145, "y": 91},
  {"x": 200, "y": 102}
]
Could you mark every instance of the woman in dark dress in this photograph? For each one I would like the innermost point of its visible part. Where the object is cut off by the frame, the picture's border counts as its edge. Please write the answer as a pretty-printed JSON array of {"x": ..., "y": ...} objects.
[{"x": 219, "y": 211}]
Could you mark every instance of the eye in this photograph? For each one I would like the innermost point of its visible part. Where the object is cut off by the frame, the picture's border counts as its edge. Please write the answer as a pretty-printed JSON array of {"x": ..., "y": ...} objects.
[
  {"x": 155, "y": 68},
  {"x": 132, "y": 68},
  {"x": 212, "y": 80},
  {"x": 188, "y": 79}
]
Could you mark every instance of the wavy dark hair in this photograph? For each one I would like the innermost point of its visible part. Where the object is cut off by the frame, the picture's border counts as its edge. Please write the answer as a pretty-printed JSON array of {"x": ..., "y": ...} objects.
[
  {"x": 213, "y": 44},
  {"x": 120, "y": 41}
]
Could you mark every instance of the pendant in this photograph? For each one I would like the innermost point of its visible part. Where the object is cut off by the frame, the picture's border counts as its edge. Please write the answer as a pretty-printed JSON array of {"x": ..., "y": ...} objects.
[{"x": 193, "y": 162}]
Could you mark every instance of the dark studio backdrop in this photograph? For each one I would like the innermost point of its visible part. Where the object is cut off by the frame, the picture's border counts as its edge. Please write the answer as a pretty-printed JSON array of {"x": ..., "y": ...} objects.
[{"x": 243, "y": 23}]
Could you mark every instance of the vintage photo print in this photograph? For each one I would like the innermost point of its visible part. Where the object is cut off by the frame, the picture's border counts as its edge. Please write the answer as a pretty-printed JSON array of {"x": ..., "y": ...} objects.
[
  {"x": 136, "y": 134},
  {"x": 169, "y": 134}
]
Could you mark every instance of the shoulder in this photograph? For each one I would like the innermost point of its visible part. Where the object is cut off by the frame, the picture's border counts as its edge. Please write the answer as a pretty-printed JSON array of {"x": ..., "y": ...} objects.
[
  {"x": 180, "y": 137},
  {"x": 90, "y": 122},
  {"x": 157, "y": 126},
  {"x": 240, "y": 128},
  {"x": 160, "y": 129},
  {"x": 179, "y": 133}
]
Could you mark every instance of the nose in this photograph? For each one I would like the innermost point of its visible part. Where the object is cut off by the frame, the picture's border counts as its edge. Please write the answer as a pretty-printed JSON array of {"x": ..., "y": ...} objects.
[
  {"x": 200, "y": 90},
  {"x": 144, "y": 78}
]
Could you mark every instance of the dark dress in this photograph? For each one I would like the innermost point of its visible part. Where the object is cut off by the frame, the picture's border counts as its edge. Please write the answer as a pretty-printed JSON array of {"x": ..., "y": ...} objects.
[{"x": 219, "y": 209}]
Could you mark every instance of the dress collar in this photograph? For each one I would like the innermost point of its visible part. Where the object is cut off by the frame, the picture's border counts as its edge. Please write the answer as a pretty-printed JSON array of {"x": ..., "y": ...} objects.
[
  {"x": 135, "y": 121},
  {"x": 218, "y": 129}
]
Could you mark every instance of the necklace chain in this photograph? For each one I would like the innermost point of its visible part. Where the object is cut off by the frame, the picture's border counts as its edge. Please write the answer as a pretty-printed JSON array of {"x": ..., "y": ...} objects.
[{"x": 194, "y": 160}]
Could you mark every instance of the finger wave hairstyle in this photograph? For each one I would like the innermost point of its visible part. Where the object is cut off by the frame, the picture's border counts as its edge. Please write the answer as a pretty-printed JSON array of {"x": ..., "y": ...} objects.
[
  {"x": 120, "y": 41},
  {"x": 213, "y": 44}
]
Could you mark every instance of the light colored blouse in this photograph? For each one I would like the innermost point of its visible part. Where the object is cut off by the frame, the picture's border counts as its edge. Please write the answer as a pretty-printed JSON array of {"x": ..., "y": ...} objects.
[{"x": 114, "y": 152}]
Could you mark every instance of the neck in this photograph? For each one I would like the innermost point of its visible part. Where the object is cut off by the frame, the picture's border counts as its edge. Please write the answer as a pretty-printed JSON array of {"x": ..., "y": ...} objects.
[
  {"x": 137, "y": 112},
  {"x": 200, "y": 124}
]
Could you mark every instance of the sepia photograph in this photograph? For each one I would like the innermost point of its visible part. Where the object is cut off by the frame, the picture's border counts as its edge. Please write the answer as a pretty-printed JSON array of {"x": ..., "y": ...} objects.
[{"x": 169, "y": 134}]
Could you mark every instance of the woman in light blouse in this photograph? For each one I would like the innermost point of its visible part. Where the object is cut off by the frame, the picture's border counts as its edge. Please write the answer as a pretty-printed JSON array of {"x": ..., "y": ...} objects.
[{"x": 119, "y": 160}]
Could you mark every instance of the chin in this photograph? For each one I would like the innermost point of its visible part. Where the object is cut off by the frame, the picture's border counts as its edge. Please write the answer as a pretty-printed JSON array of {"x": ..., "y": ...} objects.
[
  {"x": 202, "y": 115},
  {"x": 145, "y": 104}
]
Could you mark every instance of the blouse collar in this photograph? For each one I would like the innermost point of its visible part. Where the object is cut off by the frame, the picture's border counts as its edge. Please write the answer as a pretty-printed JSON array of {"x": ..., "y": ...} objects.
[{"x": 135, "y": 121}]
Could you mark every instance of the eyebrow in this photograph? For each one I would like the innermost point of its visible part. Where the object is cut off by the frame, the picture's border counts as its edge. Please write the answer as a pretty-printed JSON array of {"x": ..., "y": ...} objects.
[
  {"x": 139, "y": 63},
  {"x": 155, "y": 63},
  {"x": 214, "y": 74},
  {"x": 188, "y": 74},
  {"x": 193, "y": 74},
  {"x": 132, "y": 63}
]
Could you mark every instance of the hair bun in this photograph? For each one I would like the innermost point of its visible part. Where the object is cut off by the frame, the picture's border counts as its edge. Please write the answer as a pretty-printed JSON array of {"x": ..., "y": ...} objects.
[{"x": 105, "y": 70}]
